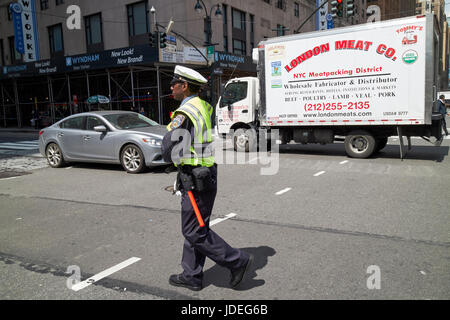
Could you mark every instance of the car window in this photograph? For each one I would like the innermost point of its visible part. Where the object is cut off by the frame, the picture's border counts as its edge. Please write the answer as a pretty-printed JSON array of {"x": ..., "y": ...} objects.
[
  {"x": 128, "y": 121},
  {"x": 93, "y": 122},
  {"x": 73, "y": 123}
]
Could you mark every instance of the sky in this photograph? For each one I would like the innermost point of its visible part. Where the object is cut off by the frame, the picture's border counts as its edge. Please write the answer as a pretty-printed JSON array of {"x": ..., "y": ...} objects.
[{"x": 447, "y": 7}]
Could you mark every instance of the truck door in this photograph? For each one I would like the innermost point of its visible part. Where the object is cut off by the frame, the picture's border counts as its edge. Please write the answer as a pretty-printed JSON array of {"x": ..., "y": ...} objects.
[{"x": 235, "y": 106}]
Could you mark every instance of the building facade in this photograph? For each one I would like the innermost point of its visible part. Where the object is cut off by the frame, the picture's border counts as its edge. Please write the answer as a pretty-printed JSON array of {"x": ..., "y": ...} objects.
[
  {"x": 109, "y": 54},
  {"x": 102, "y": 47}
]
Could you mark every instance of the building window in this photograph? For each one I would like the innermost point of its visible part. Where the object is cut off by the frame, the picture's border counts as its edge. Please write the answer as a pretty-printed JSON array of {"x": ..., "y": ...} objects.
[
  {"x": 238, "y": 19},
  {"x": 296, "y": 9},
  {"x": 138, "y": 22},
  {"x": 16, "y": 57},
  {"x": 58, "y": 2},
  {"x": 225, "y": 14},
  {"x": 56, "y": 39},
  {"x": 239, "y": 47},
  {"x": 225, "y": 43},
  {"x": 252, "y": 23},
  {"x": 281, "y": 30},
  {"x": 93, "y": 26},
  {"x": 280, "y": 4},
  {"x": 2, "y": 54},
  {"x": 44, "y": 5}
]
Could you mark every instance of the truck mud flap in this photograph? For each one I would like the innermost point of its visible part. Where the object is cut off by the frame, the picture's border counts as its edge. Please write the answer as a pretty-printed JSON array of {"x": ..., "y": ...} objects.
[{"x": 403, "y": 151}]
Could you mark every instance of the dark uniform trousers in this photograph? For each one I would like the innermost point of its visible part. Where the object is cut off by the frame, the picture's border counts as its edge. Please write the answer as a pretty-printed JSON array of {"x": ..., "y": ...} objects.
[{"x": 203, "y": 242}]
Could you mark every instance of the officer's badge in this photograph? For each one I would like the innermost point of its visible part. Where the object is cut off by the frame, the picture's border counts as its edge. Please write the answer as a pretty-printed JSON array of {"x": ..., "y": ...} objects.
[{"x": 177, "y": 122}]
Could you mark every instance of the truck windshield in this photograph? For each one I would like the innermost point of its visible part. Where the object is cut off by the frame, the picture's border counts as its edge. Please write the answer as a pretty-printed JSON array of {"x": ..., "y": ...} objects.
[{"x": 234, "y": 92}]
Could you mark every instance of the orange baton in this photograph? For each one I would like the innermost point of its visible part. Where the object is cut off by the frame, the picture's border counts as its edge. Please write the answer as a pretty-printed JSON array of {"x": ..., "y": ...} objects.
[{"x": 197, "y": 212}]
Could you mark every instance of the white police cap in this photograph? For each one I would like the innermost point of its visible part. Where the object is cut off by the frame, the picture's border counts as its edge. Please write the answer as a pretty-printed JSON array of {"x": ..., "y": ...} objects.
[{"x": 189, "y": 75}]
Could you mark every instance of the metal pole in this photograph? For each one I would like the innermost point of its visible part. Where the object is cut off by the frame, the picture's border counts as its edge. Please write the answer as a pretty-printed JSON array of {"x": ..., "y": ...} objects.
[
  {"x": 109, "y": 89},
  {"x": 50, "y": 94},
  {"x": 4, "y": 107},
  {"x": 16, "y": 98},
  {"x": 132, "y": 89},
  {"x": 70, "y": 93},
  {"x": 88, "y": 90},
  {"x": 312, "y": 14},
  {"x": 159, "y": 95}
]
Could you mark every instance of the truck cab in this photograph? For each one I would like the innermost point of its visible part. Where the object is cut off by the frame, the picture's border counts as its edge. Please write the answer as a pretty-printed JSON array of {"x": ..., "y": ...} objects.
[{"x": 238, "y": 105}]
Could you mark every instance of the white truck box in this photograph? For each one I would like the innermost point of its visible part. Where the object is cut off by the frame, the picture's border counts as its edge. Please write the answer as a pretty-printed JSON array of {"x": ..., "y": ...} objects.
[
  {"x": 369, "y": 74},
  {"x": 365, "y": 83}
]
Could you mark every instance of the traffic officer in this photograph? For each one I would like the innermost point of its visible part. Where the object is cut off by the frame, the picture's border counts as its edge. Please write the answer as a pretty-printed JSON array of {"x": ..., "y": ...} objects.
[{"x": 188, "y": 145}]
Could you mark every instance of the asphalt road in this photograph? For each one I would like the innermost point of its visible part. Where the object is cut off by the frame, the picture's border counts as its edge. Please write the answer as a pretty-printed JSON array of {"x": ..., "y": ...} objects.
[{"x": 324, "y": 226}]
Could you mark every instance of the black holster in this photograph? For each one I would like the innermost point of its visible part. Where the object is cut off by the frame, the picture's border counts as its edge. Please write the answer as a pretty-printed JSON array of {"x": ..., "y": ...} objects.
[{"x": 195, "y": 178}]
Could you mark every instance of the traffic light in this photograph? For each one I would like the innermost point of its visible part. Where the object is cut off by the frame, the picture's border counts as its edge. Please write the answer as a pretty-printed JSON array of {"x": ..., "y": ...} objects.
[
  {"x": 350, "y": 8},
  {"x": 162, "y": 40},
  {"x": 153, "y": 39},
  {"x": 336, "y": 8}
]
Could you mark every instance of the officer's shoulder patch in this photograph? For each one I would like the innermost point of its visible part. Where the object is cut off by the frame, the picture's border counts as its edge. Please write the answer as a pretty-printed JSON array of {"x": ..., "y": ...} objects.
[{"x": 177, "y": 122}]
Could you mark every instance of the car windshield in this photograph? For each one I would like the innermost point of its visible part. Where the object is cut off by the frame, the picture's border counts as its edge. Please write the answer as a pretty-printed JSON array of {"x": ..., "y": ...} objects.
[{"x": 126, "y": 121}]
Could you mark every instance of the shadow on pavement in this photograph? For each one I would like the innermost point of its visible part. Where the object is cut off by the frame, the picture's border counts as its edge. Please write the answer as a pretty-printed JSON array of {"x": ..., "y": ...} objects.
[{"x": 219, "y": 276}]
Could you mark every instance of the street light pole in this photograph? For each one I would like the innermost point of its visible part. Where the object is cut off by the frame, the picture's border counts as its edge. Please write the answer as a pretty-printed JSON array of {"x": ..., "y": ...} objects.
[{"x": 199, "y": 6}]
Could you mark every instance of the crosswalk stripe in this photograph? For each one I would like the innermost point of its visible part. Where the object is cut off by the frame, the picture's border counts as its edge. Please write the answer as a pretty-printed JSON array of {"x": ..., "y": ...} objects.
[{"x": 21, "y": 145}]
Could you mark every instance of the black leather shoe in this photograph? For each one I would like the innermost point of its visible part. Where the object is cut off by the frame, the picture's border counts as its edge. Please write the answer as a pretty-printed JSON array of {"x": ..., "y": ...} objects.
[
  {"x": 178, "y": 281},
  {"x": 238, "y": 275}
]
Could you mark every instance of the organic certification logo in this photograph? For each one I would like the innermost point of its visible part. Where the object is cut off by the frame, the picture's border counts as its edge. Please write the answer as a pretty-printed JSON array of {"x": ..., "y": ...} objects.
[
  {"x": 410, "y": 56},
  {"x": 276, "y": 69}
]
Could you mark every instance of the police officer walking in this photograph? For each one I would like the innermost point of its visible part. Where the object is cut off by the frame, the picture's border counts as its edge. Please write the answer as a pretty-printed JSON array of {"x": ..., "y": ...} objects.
[{"x": 188, "y": 144}]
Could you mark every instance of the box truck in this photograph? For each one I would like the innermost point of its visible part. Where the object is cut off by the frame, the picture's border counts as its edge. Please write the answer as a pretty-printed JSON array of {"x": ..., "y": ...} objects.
[{"x": 359, "y": 84}]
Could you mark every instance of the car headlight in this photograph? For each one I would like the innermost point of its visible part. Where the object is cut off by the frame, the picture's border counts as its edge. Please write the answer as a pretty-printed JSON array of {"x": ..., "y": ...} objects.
[{"x": 152, "y": 141}]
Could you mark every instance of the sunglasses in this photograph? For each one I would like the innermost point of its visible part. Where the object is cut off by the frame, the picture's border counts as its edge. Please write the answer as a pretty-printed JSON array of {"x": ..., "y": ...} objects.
[{"x": 175, "y": 81}]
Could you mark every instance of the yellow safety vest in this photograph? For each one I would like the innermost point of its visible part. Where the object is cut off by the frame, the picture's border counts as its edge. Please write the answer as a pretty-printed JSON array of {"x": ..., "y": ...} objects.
[{"x": 200, "y": 113}]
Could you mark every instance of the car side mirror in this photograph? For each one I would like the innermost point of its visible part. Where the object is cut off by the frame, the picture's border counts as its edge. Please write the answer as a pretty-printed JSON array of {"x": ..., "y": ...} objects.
[{"x": 100, "y": 128}]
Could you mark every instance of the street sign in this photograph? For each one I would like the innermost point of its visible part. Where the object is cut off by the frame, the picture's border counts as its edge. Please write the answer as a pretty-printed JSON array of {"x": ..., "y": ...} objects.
[
  {"x": 330, "y": 22},
  {"x": 218, "y": 71},
  {"x": 210, "y": 53}
]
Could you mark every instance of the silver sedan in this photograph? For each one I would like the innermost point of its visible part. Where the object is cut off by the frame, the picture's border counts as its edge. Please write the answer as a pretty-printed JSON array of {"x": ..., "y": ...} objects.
[{"x": 121, "y": 137}]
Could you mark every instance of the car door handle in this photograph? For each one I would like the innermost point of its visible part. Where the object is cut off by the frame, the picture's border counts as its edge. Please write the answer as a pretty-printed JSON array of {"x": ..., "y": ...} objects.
[
  {"x": 86, "y": 138},
  {"x": 244, "y": 111},
  {"x": 60, "y": 135}
]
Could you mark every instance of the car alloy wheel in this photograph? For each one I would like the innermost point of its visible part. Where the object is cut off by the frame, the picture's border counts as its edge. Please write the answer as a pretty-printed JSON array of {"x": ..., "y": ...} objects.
[
  {"x": 132, "y": 159},
  {"x": 54, "y": 156}
]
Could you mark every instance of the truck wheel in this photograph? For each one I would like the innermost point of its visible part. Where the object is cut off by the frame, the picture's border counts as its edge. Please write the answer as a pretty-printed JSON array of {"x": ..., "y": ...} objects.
[
  {"x": 360, "y": 144},
  {"x": 245, "y": 140}
]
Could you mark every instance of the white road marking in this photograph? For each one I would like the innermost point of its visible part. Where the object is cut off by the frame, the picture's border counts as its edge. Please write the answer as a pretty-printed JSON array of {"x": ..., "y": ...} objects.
[
  {"x": 254, "y": 159},
  {"x": 216, "y": 221},
  {"x": 319, "y": 173},
  {"x": 283, "y": 191},
  {"x": 10, "y": 178},
  {"x": 103, "y": 274},
  {"x": 343, "y": 162}
]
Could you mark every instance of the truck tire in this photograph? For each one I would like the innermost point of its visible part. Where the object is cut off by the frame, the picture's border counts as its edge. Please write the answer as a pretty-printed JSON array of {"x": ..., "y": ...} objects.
[
  {"x": 245, "y": 140},
  {"x": 360, "y": 144}
]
